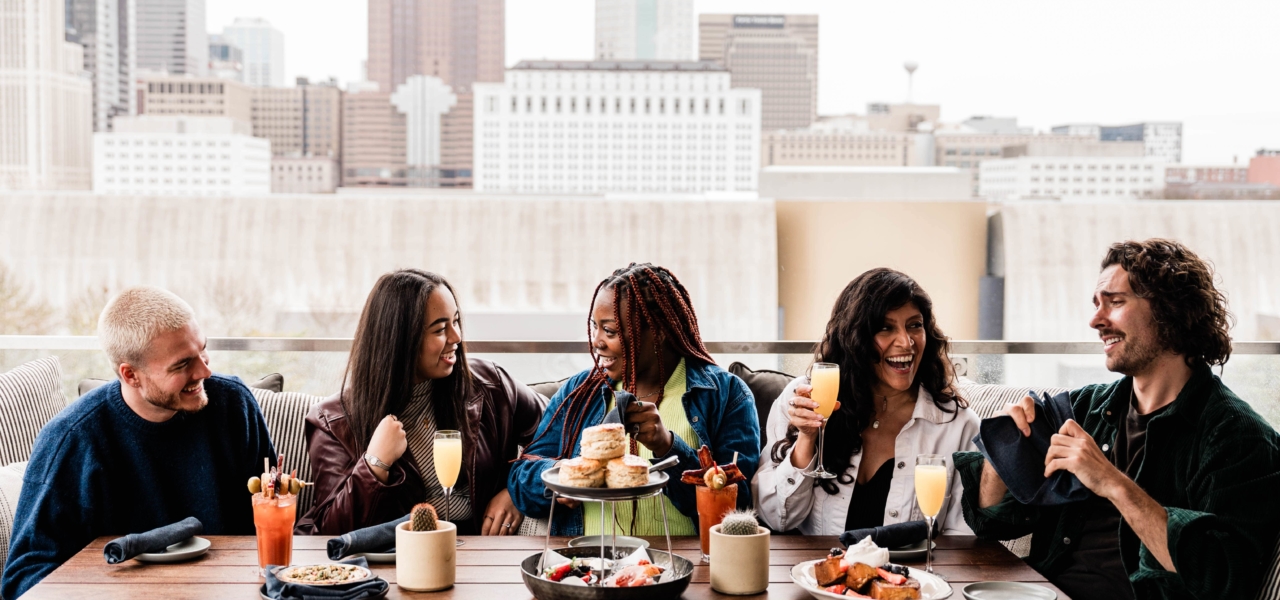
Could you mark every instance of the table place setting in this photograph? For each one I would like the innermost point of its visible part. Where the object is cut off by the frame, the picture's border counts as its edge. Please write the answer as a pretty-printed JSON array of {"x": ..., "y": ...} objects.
[{"x": 175, "y": 542}]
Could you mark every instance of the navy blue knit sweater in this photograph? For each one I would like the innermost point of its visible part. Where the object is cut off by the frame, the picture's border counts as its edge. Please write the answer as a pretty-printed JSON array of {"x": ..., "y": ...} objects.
[{"x": 99, "y": 469}]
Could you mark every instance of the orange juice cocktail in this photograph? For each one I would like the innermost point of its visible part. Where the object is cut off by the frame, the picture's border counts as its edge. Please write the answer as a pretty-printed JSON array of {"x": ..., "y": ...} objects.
[{"x": 273, "y": 518}]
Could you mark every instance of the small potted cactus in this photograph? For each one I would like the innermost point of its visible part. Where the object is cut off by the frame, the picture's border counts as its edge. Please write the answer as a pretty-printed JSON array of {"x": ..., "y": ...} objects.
[
  {"x": 425, "y": 551},
  {"x": 745, "y": 544}
]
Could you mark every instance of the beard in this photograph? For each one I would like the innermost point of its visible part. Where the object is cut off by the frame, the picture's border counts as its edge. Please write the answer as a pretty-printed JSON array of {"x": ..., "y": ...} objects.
[
  {"x": 1138, "y": 354},
  {"x": 174, "y": 401}
]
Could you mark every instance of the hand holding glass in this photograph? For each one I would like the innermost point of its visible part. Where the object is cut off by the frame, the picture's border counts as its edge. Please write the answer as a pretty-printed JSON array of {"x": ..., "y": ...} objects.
[
  {"x": 448, "y": 461},
  {"x": 825, "y": 379},
  {"x": 931, "y": 489}
]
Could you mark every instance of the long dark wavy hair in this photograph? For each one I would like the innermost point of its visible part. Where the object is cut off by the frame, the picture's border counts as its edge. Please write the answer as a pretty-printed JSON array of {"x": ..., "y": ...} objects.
[
  {"x": 1190, "y": 313},
  {"x": 384, "y": 358},
  {"x": 657, "y": 302},
  {"x": 850, "y": 341}
]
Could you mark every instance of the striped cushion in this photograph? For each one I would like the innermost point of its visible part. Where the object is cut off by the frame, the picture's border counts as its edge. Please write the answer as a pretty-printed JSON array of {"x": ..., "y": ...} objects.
[
  {"x": 1271, "y": 584},
  {"x": 10, "y": 489},
  {"x": 286, "y": 415},
  {"x": 30, "y": 395},
  {"x": 987, "y": 400}
]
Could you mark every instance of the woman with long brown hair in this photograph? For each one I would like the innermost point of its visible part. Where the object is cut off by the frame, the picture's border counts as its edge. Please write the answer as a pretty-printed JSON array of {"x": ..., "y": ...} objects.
[
  {"x": 408, "y": 377},
  {"x": 897, "y": 400},
  {"x": 645, "y": 340}
]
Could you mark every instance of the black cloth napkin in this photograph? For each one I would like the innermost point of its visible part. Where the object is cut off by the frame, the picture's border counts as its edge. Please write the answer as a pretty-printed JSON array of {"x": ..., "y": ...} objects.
[
  {"x": 379, "y": 538},
  {"x": 895, "y": 535},
  {"x": 1019, "y": 460},
  {"x": 621, "y": 400},
  {"x": 156, "y": 540},
  {"x": 375, "y": 587}
]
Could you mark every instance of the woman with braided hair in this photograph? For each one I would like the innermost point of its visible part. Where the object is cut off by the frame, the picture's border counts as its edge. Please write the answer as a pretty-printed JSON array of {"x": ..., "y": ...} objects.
[{"x": 645, "y": 340}]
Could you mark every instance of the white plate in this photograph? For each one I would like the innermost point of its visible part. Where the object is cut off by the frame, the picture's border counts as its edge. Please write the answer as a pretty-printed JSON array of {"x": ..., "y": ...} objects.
[
  {"x": 623, "y": 541},
  {"x": 1006, "y": 590},
  {"x": 377, "y": 558},
  {"x": 932, "y": 587},
  {"x": 184, "y": 550},
  {"x": 910, "y": 553}
]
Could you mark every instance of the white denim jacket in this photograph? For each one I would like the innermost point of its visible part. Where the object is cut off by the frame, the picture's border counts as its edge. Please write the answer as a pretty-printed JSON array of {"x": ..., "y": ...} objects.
[{"x": 787, "y": 500}]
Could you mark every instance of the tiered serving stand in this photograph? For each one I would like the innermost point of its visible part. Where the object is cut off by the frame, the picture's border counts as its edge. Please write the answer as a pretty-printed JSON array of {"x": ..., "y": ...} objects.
[{"x": 679, "y": 569}]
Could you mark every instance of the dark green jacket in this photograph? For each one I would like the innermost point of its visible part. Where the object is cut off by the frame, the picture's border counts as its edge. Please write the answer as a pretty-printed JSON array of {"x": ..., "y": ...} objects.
[{"x": 1215, "y": 467}]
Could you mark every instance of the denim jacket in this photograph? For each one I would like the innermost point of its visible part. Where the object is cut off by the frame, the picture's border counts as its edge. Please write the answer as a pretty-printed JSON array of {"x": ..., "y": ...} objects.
[{"x": 721, "y": 411}]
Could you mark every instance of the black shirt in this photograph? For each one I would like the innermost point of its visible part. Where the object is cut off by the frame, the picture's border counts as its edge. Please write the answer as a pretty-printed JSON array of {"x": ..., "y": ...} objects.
[
  {"x": 1095, "y": 569},
  {"x": 866, "y": 505}
]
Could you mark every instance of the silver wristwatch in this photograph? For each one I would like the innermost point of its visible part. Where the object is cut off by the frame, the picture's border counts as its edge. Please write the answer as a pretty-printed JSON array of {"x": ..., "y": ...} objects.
[{"x": 374, "y": 462}]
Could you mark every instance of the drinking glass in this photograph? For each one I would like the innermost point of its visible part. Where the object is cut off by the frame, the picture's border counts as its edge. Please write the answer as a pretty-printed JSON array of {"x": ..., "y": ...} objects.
[
  {"x": 448, "y": 458},
  {"x": 273, "y": 521},
  {"x": 931, "y": 489},
  {"x": 825, "y": 379},
  {"x": 713, "y": 505}
]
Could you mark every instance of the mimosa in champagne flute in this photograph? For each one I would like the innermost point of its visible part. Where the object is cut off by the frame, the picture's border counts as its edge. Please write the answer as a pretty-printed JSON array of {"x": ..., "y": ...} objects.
[
  {"x": 931, "y": 490},
  {"x": 825, "y": 379},
  {"x": 448, "y": 459}
]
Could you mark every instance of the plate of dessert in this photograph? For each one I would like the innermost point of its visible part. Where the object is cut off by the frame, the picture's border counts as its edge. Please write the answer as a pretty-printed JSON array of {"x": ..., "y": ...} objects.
[
  {"x": 604, "y": 470},
  {"x": 576, "y": 575},
  {"x": 327, "y": 574},
  {"x": 850, "y": 574}
]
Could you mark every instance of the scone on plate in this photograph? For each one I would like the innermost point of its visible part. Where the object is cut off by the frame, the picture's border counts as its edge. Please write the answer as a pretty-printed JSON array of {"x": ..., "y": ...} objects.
[
  {"x": 604, "y": 442},
  {"x": 582, "y": 472},
  {"x": 626, "y": 472}
]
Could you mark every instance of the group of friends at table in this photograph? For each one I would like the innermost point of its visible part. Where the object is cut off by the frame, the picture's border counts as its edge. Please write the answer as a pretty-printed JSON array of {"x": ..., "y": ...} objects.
[{"x": 1181, "y": 471}]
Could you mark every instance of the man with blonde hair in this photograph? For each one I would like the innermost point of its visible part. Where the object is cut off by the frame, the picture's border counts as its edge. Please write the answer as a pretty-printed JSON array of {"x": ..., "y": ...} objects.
[{"x": 166, "y": 441}]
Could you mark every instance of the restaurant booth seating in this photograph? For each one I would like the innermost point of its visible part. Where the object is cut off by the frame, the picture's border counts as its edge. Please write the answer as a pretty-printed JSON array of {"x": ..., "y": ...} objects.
[{"x": 31, "y": 394}]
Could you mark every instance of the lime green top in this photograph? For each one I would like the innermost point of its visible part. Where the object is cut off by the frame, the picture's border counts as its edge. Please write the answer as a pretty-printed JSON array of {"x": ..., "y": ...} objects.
[{"x": 649, "y": 519}]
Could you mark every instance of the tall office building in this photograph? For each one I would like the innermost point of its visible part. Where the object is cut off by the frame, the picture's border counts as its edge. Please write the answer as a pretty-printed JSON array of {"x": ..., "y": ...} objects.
[
  {"x": 597, "y": 127},
  {"x": 458, "y": 41},
  {"x": 301, "y": 121},
  {"x": 373, "y": 140},
  {"x": 46, "y": 114},
  {"x": 262, "y": 48},
  {"x": 644, "y": 30},
  {"x": 196, "y": 96},
  {"x": 777, "y": 54},
  {"x": 172, "y": 37},
  {"x": 226, "y": 60},
  {"x": 106, "y": 30}
]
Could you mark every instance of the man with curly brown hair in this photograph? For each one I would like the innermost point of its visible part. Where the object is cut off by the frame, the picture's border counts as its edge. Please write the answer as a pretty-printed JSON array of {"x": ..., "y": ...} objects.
[{"x": 1182, "y": 470}]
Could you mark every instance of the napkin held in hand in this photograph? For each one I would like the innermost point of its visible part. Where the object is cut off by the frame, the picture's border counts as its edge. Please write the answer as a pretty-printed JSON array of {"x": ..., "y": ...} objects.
[
  {"x": 156, "y": 540},
  {"x": 1019, "y": 460}
]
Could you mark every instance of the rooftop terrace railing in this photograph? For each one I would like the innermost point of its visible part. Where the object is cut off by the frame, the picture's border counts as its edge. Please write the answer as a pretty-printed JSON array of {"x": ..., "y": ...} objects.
[{"x": 298, "y": 344}]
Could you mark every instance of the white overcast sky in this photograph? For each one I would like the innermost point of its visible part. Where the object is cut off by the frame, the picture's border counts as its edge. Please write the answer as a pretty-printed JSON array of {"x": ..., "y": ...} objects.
[{"x": 1211, "y": 65}]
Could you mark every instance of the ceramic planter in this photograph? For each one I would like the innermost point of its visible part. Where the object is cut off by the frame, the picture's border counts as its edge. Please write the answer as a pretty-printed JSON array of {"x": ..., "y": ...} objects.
[
  {"x": 739, "y": 563},
  {"x": 426, "y": 560}
]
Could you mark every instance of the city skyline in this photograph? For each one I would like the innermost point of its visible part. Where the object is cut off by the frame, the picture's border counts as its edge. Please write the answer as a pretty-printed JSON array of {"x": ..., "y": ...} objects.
[{"x": 1214, "y": 87}]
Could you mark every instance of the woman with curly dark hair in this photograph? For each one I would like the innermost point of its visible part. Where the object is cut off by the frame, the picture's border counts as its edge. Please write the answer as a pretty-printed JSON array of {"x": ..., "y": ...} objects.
[{"x": 897, "y": 400}]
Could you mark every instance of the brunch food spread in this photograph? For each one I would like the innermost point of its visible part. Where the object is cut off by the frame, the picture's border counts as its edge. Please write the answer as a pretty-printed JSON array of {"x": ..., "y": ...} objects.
[
  {"x": 330, "y": 574},
  {"x": 850, "y": 573},
  {"x": 586, "y": 570},
  {"x": 604, "y": 462}
]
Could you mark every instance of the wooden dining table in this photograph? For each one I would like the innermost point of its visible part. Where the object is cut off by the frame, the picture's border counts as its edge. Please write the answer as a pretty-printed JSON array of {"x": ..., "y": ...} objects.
[{"x": 488, "y": 569}]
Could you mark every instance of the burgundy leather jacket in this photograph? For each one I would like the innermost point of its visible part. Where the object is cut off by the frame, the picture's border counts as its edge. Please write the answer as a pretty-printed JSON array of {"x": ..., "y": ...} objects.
[{"x": 503, "y": 414}]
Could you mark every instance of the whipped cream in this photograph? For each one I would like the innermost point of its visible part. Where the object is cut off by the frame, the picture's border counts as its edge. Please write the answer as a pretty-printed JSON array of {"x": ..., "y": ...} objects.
[{"x": 867, "y": 553}]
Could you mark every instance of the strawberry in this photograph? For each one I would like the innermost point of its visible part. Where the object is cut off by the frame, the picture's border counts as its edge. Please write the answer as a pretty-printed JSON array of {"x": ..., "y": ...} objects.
[
  {"x": 559, "y": 572},
  {"x": 838, "y": 588},
  {"x": 893, "y": 578}
]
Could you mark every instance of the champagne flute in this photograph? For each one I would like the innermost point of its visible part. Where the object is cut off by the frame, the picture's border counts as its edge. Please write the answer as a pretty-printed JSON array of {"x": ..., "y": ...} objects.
[
  {"x": 931, "y": 489},
  {"x": 825, "y": 379},
  {"x": 447, "y": 453}
]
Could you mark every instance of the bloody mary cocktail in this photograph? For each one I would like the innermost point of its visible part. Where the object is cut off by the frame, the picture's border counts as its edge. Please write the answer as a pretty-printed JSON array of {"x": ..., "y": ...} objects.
[
  {"x": 713, "y": 505},
  {"x": 273, "y": 518}
]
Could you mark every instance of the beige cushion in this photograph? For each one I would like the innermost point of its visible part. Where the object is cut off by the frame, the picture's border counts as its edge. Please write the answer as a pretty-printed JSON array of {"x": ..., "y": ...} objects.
[
  {"x": 765, "y": 386},
  {"x": 286, "y": 416},
  {"x": 30, "y": 395},
  {"x": 10, "y": 489}
]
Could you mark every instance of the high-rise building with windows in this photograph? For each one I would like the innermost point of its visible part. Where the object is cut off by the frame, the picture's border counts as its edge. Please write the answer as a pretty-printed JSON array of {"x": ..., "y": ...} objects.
[
  {"x": 106, "y": 29},
  {"x": 46, "y": 101},
  {"x": 645, "y": 30},
  {"x": 777, "y": 54},
  {"x": 172, "y": 38},
  {"x": 300, "y": 121},
  {"x": 226, "y": 60},
  {"x": 262, "y": 49},
  {"x": 181, "y": 155},
  {"x": 195, "y": 96},
  {"x": 373, "y": 139},
  {"x": 599, "y": 127}
]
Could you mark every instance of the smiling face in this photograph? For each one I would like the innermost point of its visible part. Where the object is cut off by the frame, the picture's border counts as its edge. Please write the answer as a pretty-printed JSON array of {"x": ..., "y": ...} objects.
[
  {"x": 606, "y": 335},
  {"x": 176, "y": 366},
  {"x": 901, "y": 341},
  {"x": 1124, "y": 323},
  {"x": 440, "y": 341}
]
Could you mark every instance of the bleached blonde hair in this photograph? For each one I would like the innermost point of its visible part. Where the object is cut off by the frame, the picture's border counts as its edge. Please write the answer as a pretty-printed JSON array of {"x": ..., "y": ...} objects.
[{"x": 135, "y": 317}]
